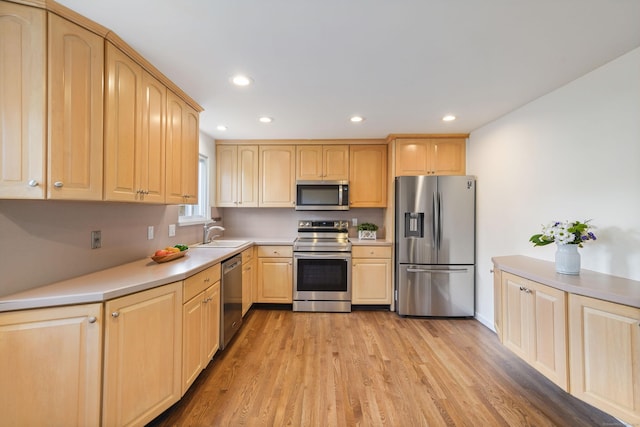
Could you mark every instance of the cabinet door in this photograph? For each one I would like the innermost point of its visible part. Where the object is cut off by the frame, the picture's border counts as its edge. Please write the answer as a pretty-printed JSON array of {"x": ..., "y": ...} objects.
[
  {"x": 309, "y": 162},
  {"x": 192, "y": 340},
  {"x": 51, "y": 366},
  {"x": 517, "y": 312},
  {"x": 211, "y": 322},
  {"x": 413, "y": 157},
  {"x": 497, "y": 302},
  {"x": 248, "y": 176},
  {"x": 248, "y": 270},
  {"x": 123, "y": 130},
  {"x": 449, "y": 156},
  {"x": 150, "y": 152},
  {"x": 548, "y": 349},
  {"x": 277, "y": 176},
  {"x": 605, "y": 356},
  {"x": 76, "y": 64},
  {"x": 227, "y": 176},
  {"x": 23, "y": 101},
  {"x": 181, "y": 152},
  {"x": 142, "y": 355},
  {"x": 335, "y": 162},
  {"x": 371, "y": 280},
  {"x": 275, "y": 280},
  {"x": 368, "y": 176}
]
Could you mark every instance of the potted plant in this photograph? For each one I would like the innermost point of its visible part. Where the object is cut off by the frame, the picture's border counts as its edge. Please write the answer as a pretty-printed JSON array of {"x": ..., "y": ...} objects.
[{"x": 367, "y": 231}]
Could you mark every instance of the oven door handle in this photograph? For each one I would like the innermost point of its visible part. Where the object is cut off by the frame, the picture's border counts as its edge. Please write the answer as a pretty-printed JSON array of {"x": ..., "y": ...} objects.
[{"x": 332, "y": 255}]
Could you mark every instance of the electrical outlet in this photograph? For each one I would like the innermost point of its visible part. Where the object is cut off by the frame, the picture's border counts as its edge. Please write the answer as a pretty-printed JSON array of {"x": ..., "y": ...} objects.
[
  {"x": 96, "y": 239},
  {"x": 172, "y": 230},
  {"x": 150, "y": 233},
  {"x": 354, "y": 222}
]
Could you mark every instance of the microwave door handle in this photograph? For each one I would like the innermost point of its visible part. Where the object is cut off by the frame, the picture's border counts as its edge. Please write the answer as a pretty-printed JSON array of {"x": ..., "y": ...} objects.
[{"x": 339, "y": 195}]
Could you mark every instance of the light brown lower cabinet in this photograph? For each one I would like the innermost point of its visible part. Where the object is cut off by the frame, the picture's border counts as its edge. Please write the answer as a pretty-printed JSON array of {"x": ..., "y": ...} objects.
[
  {"x": 51, "y": 365},
  {"x": 604, "y": 343},
  {"x": 142, "y": 355},
  {"x": 275, "y": 275},
  {"x": 371, "y": 275},
  {"x": 248, "y": 278},
  {"x": 535, "y": 326},
  {"x": 200, "y": 322}
]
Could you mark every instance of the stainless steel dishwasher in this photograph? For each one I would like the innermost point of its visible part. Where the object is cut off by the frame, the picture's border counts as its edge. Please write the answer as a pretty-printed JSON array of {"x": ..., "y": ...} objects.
[{"x": 231, "y": 297}]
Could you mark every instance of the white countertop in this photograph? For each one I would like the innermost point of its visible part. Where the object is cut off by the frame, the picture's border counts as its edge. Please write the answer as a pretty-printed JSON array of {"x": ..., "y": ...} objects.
[
  {"x": 118, "y": 281},
  {"x": 588, "y": 283}
]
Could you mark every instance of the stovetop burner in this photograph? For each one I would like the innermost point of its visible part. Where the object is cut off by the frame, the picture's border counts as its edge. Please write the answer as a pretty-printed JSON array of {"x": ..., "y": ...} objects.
[{"x": 322, "y": 236}]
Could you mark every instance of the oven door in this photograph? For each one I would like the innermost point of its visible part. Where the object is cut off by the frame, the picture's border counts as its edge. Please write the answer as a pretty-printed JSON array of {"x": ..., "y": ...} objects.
[{"x": 322, "y": 276}]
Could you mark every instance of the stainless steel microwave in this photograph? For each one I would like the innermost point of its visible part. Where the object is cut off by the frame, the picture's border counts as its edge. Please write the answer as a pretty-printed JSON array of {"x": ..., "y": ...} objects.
[{"x": 322, "y": 195}]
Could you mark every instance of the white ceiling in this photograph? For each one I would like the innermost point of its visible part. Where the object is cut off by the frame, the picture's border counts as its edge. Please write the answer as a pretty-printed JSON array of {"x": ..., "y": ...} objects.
[{"x": 402, "y": 64}]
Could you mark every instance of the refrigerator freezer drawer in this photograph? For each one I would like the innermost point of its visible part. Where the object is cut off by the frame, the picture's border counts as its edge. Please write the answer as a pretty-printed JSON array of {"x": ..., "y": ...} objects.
[{"x": 435, "y": 290}]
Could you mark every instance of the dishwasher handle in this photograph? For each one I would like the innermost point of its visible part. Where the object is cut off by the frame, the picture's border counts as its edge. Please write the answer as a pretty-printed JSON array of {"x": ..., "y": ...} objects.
[{"x": 229, "y": 265}]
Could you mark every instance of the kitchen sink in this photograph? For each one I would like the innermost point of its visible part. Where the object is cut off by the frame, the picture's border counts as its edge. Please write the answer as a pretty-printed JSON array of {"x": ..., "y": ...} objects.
[{"x": 223, "y": 244}]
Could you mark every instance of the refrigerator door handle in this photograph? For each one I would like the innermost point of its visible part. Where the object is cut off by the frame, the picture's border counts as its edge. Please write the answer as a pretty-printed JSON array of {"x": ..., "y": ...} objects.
[
  {"x": 434, "y": 223},
  {"x": 439, "y": 220},
  {"x": 428, "y": 270}
]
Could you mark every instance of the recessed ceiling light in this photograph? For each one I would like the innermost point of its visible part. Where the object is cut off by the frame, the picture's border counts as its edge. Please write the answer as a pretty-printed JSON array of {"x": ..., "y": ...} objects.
[
  {"x": 357, "y": 119},
  {"x": 240, "y": 80},
  {"x": 265, "y": 119},
  {"x": 449, "y": 118},
  {"x": 221, "y": 127}
]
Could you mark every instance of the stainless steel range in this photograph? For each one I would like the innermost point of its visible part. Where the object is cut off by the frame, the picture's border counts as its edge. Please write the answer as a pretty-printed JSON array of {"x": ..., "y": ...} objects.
[{"x": 322, "y": 267}]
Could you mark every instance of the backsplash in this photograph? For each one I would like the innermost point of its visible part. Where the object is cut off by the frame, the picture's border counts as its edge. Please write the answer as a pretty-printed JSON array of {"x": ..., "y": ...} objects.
[{"x": 282, "y": 223}]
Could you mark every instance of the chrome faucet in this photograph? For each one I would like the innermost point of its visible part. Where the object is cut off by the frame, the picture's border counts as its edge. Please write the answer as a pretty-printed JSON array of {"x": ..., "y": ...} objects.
[{"x": 206, "y": 234}]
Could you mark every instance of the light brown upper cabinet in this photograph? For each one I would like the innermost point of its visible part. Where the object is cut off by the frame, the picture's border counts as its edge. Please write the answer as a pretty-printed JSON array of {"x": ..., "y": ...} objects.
[
  {"x": 277, "y": 176},
  {"x": 430, "y": 156},
  {"x": 23, "y": 102},
  {"x": 76, "y": 64},
  {"x": 368, "y": 176},
  {"x": 135, "y": 130},
  {"x": 237, "y": 176},
  {"x": 182, "y": 151},
  {"x": 322, "y": 162}
]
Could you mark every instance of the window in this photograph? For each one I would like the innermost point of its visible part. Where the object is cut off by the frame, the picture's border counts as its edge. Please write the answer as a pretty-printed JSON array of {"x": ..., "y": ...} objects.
[{"x": 200, "y": 213}]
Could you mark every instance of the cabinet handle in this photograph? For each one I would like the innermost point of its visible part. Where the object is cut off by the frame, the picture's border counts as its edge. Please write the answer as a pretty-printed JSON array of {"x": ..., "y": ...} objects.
[
  {"x": 115, "y": 314},
  {"x": 491, "y": 271},
  {"x": 58, "y": 184},
  {"x": 33, "y": 183},
  {"x": 92, "y": 319}
]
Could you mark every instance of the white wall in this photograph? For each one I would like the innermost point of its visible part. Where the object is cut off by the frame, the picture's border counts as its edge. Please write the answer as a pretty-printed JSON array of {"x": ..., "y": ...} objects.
[{"x": 572, "y": 154}]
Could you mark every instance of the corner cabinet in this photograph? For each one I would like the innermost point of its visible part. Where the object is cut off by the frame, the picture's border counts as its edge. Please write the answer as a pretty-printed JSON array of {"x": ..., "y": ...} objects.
[
  {"x": 51, "y": 362},
  {"x": 237, "y": 176},
  {"x": 368, "y": 176},
  {"x": 275, "y": 275},
  {"x": 371, "y": 275},
  {"x": 430, "y": 156},
  {"x": 181, "y": 151},
  {"x": 605, "y": 355},
  {"x": 535, "y": 325},
  {"x": 142, "y": 355},
  {"x": 277, "y": 176}
]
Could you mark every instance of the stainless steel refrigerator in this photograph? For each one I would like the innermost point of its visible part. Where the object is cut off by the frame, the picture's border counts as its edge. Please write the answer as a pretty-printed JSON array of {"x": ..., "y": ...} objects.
[{"x": 435, "y": 245}]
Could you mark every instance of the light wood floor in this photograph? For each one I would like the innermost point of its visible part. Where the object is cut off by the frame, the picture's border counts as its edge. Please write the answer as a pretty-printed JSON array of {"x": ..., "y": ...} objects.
[{"x": 372, "y": 368}]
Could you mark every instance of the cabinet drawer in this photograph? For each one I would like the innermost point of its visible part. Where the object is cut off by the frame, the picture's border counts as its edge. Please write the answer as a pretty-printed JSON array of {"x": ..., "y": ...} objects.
[
  {"x": 197, "y": 283},
  {"x": 275, "y": 251},
  {"x": 247, "y": 255},
  {"x": 371, "y": 252}
]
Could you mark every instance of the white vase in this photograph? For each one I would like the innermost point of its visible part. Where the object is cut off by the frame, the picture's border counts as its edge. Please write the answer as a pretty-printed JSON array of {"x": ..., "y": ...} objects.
[{"x": 568, "y": 259}]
